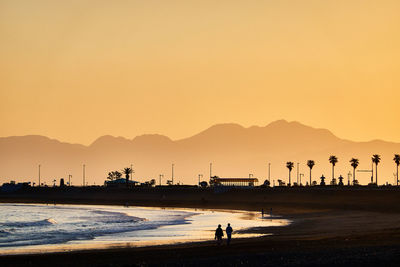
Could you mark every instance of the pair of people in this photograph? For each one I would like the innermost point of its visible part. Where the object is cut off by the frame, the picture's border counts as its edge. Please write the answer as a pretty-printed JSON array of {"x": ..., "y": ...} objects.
[{"x": 219, "y": 233}]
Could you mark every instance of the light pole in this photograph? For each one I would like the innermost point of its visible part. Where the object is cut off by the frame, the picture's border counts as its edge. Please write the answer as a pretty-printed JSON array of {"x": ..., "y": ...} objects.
[
  {"x": 172, "y": 174},
  {"x": 39, "y": 175},
  {"x": 210, "y": 170},
  {"x": 372, "y": 172},
  {"x": 83, "y": 174},
  {"x": 298, "y": 173},
  {"x": 131, "y": 171},
  {"x": 69, "y": 179},
  {"x": 200, "y": 176},
  {"x": 269, "y": 173},
  {"x": 161, "y": 176}
]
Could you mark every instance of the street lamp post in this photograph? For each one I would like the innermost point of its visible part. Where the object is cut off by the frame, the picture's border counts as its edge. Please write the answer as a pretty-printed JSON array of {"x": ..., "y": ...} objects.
[
  {"x": 39, "y": 175},
  {"x": 172, "y": 174},
  {"x": 83, "y": 174},
  {"x": 269, "y": 173},
  {"x": 131, "y": 171}
]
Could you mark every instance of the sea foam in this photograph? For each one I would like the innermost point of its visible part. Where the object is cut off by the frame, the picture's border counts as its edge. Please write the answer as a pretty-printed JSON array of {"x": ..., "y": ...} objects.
[{"x": 66, "y": 224}]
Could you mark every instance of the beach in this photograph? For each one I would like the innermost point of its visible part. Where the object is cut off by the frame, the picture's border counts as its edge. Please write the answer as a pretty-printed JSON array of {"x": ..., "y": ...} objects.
[
  {"x": 364, "y": 233},
  {"x": 39, "y": 228}
]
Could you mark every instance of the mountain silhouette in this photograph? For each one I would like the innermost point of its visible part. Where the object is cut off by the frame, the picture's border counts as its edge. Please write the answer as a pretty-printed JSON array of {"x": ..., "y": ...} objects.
[{"x": 234, "y": 150}]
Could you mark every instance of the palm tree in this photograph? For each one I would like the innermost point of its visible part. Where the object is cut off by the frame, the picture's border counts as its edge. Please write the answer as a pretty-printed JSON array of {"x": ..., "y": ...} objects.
[
  {"x": 114, "y": 175},
  {"x": 310, "y": 164},
  {"x": 333, "y": 160},
  {"x": 117, "y": 174},
  {"x": 354, "y": 163},
  {"x": 376, "y": 159},
  {"x": 127, "y": 172},
  {"x": 397, "y": 161},
  {"x": 289, "y": 165}
]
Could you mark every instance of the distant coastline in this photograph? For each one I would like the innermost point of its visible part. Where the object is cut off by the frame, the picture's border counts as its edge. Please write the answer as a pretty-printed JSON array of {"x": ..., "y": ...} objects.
[{"x": 282, "y": 200}]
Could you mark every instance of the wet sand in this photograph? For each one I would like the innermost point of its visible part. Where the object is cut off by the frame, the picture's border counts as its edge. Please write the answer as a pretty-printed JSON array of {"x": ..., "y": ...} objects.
[
  {"x": 317, "y": 238},
  {"x": 326, "y": 235}
]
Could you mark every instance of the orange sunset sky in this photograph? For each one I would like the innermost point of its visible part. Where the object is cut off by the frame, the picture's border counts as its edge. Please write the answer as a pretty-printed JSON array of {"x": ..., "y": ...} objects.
[{"x": 76, "y": 70}]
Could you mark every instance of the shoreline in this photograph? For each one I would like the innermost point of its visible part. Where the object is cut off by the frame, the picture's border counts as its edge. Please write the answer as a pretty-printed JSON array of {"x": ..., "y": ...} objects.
[
  {"x": 355, "y": 250},
  {"x": 347, "y": 230},
  {"x": 95, "y": 244}
]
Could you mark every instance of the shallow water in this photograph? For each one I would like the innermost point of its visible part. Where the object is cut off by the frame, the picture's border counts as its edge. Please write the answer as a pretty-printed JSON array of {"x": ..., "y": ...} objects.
[{"x": 33, "y": 228}]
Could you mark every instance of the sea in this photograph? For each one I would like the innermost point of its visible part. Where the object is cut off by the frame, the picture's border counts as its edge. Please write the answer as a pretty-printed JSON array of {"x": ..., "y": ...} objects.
[{"x": 37, "y": 228}]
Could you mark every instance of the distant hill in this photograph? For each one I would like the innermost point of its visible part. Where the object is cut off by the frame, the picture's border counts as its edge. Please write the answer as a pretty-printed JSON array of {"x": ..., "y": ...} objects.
[{"x": 235, "y": 151}]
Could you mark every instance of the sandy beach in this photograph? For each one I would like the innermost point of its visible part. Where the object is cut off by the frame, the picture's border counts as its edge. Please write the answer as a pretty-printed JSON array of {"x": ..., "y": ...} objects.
[{"x": 318, "y": 236}]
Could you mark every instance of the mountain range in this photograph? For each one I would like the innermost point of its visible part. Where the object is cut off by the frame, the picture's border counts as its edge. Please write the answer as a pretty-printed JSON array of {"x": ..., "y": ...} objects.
[{"x": 233, "y": 150}]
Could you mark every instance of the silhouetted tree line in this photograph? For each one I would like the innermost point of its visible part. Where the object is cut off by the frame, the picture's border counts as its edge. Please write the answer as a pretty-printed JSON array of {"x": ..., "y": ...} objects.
[{"x": 354, "y": 162}]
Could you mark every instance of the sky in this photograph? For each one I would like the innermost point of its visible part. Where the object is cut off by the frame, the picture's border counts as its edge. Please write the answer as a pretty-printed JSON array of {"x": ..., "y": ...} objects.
[{"x": 77, "y": 70}]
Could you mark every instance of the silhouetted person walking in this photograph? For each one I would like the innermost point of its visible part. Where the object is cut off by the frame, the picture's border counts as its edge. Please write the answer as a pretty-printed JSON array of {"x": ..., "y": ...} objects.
[
  {"x": 228, "y": 231},
  {"x": 219, "y": 234}
]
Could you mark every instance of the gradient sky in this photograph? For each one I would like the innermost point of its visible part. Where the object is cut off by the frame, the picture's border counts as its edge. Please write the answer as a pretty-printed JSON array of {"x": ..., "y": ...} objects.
[{"x": 76, "y": 70}]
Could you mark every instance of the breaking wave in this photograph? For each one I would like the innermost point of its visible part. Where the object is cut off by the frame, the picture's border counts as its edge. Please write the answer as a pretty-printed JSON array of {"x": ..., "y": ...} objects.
[
  {"x": 65, "y": 224},
  {"x": 45, "y": 222}
]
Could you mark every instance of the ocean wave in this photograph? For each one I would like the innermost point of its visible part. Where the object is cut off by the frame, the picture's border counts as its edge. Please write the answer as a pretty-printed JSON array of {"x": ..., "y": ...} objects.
[
  {"x": 79, "y": 224},
  {"x": 45, "y": 222},
  {"x": 4, "y": 233},
  {"x": 80, "y": 233},
  {"x": 113, "y": 217}
]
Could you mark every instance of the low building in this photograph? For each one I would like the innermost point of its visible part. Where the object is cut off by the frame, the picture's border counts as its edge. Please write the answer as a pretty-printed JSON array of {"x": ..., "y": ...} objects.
[
  {"x": 217, "y": 181},
  {"x": 121, "y": 182}
]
